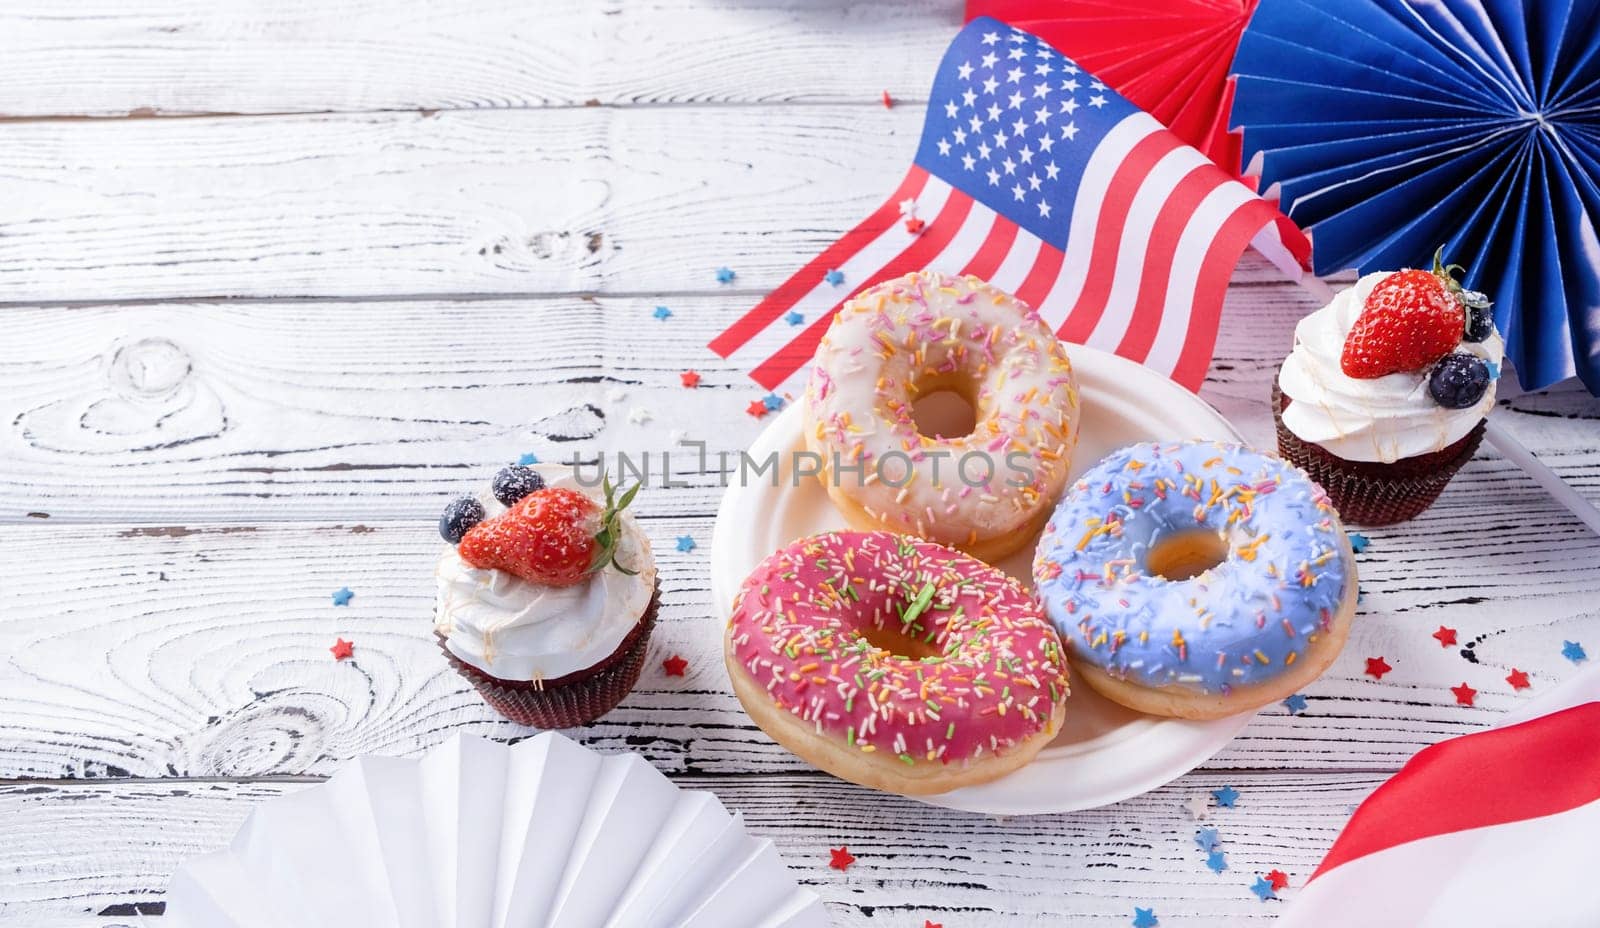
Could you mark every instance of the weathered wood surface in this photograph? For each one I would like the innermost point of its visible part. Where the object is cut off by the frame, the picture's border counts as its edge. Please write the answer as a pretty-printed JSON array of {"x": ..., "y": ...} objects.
[
  {"x": 152, "y": 650},
  {"x": 113, "y": 844},
  {"x": 637, "y": 200},
  {"x": 188, "y": 57},
  {"x": 181, "y": 629},
  {"x": 369, "y": 410},
  {"x": 439, "y": 256},
  {"x": 644, "y": 199}
]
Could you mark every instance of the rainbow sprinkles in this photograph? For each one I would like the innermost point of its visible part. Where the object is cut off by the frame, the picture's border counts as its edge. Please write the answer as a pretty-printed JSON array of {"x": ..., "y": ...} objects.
[
  {"x": 922, "y": 334},
  {"x": 1286, "y": 575},
  {"x": 899, "y": 646}
]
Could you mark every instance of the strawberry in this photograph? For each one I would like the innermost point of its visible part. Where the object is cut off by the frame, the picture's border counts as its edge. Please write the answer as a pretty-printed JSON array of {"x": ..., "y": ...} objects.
[
  {"x": 1411, "y": 319},
  {"x": 555, "y": 536}
]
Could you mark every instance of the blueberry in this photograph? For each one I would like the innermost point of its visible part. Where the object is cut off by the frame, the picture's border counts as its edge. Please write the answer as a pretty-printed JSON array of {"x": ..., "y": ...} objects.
[
  {"x": 1480, "y": 322},
  {"x": 459, "y": 518},
  {"x": 515, "y": 482},
  {"x": 1458, "y": 380}
]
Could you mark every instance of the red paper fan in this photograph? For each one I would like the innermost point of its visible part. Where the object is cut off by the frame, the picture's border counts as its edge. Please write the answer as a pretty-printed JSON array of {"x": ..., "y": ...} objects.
[{"x": 1171, "y": 58}]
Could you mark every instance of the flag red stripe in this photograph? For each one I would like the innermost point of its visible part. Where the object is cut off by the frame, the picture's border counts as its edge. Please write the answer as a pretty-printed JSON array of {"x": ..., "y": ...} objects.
[
  {"x": 1293, "y": 239},
  {"x": 933, "y": 239},
  {"x": 806, "y": 279},
  {"x": 1155, "y": 276},
  {"x": 1216, "y": 269},
  {"x": 1540, "y": 767},
  {"x": 1107, "y": 245},
  {"x": 1042, "y": 276},
  {"x": 988, "y": 258}
]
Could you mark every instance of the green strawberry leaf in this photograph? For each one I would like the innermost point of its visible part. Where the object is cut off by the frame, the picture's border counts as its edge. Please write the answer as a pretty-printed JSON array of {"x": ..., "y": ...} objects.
[{"x": 610, "y": 533}]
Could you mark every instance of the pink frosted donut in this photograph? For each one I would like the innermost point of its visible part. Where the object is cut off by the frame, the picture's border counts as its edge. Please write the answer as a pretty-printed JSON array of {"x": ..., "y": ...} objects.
[{"x": 894, "y": 662}]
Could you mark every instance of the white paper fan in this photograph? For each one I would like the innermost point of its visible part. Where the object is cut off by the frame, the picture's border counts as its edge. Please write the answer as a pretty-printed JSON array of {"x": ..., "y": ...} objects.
[{"x": 476, "y": 834}]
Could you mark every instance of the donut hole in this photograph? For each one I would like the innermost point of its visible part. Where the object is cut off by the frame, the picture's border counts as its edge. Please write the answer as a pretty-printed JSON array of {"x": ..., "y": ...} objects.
[
  {"x": 944, "y": 413},
  {"x": 1181, "y": 555},
  {"x": 897, "y": 643}
]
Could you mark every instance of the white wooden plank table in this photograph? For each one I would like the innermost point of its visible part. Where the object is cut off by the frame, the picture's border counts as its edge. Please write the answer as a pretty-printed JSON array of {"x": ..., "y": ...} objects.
[{"x": 306, "y": 271}]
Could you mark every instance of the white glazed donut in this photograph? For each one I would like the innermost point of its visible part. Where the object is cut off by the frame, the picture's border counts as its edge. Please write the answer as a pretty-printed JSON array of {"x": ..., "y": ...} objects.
[{"x": 986, "y": 493}]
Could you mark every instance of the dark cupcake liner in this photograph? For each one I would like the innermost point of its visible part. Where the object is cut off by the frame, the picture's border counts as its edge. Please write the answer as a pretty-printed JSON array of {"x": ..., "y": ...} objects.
[
  {"x": 1374, "y": 492},
  {"x": 575, "y": 699}
]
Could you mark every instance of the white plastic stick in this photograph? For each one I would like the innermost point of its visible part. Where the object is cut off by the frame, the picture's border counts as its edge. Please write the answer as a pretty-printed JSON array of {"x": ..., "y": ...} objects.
[
  {"x": 1516, "y": 453},
  {"x": 1503, "y": 441}
]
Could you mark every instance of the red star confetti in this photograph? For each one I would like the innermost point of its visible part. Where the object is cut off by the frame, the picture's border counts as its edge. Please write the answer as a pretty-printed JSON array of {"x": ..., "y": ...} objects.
[
  {"x": 1377, "y": 667},
  {"x": 1518, "y": 679},
  {"x": 1278, "y": 879},
  {"x": 1446, "y": 636},
  {"x": 842, "y": 858},
  {"x": 675, "y": 666},
  {"x": 690, "y": 378},
  {"x": 888, "y": 101},
  {"x": 342, "y": 649},
  {"x": 914, "y": 225},
  {"x": 930, "y": 923},
  {"x": 1464, "y": 694},
  {"x": 756, "y": 408}
]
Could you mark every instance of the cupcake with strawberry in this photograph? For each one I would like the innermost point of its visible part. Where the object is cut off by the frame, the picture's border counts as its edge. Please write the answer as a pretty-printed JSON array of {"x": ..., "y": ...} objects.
[
  {"x": 1385, "y": 394},
  {"x": 547, "y": 597}
]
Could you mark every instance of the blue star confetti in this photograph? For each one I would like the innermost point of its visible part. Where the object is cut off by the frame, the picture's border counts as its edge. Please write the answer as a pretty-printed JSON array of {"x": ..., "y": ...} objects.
[
  {"x": 772, "y": 401},
  {"x": 1296, "y": 704},
  {"x": 1359, "y": 542},
  {"x": 342, "y": 596},
  {"x": 1217, "y": 861},
  {"x": 529, "y": 458},
  {"x": 834, "y": 277},
  {"x": 725, "y": 276},
  {"x": 685, "y": 543},
  {"x": 1207, "y": 839},
  {"x": 663, "y": 313},
  {"x": 1573, "y": 651},
  {"x": 1263, "y": 889},
  {"x": 1225, "y": 796},
  {"x": 1145, "y": 918},
  {"x": 794, "y": 318}
]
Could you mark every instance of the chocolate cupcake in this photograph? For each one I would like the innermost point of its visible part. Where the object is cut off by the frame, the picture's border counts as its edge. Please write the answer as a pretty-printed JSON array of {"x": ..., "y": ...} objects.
[
  {"x": 547, "y": 600},
  {"x": 1385, "y": 394}
]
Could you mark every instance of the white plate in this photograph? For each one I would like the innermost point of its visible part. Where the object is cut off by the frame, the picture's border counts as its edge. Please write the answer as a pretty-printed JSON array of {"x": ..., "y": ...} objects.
[{"x": 1105, "y": 753}]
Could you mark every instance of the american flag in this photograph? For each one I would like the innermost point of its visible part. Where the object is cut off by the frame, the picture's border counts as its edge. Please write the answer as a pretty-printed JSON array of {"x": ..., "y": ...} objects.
[{"x": 1037, "y": 177}]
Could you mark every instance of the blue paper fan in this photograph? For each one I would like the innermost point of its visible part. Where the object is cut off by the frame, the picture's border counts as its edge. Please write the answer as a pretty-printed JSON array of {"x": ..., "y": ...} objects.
[{"x": 1390, "y": 127}]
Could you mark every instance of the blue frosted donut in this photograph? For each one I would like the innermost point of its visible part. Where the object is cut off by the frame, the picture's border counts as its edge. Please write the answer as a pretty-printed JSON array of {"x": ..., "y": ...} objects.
[{"x": 1280, "y": 596}]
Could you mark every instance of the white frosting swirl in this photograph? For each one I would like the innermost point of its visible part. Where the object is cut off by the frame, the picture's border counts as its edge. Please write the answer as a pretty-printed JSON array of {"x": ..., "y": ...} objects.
[
  {"x": 1383, "y": 419},
  {"x": 514, "y": 629}
]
